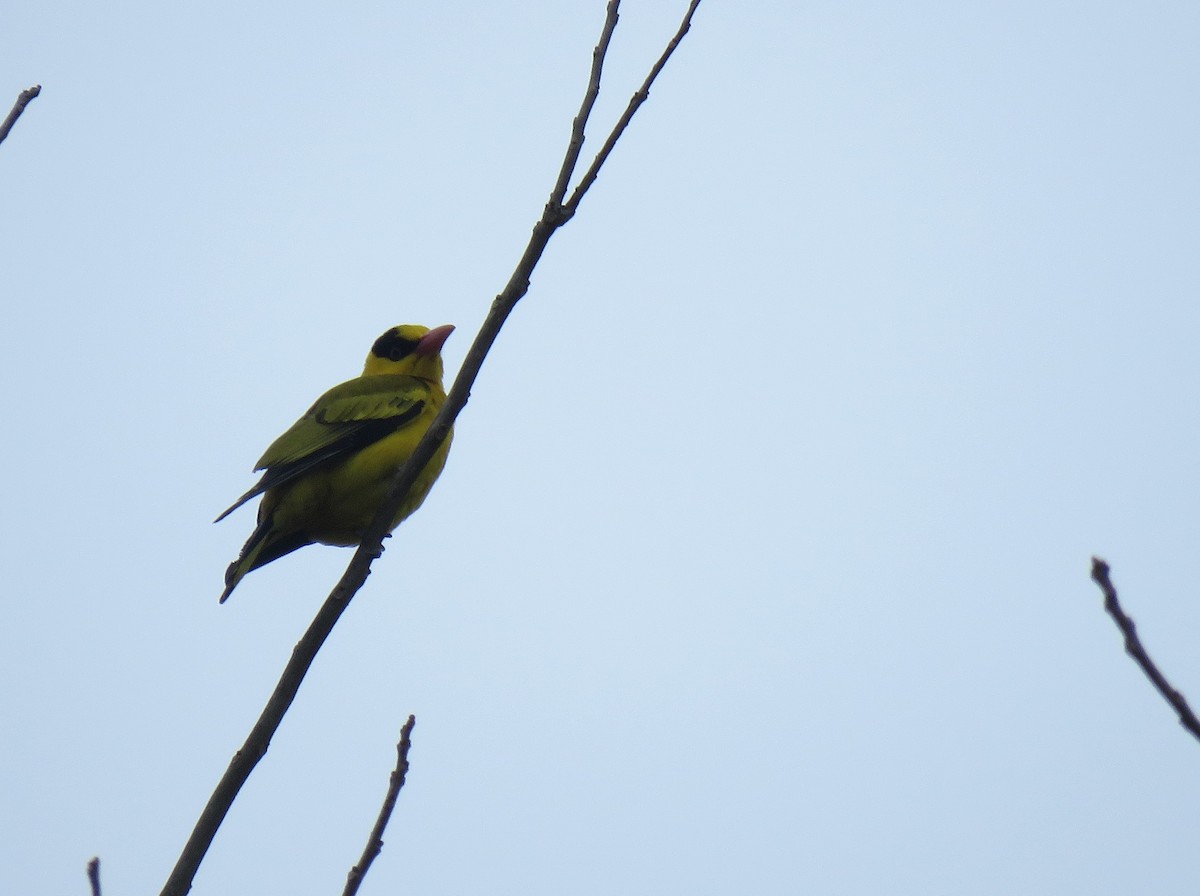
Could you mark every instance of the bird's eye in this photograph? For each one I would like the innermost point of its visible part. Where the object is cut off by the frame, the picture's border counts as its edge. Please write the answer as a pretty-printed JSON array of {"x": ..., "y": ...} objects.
[{"x": 393, "y": 346}]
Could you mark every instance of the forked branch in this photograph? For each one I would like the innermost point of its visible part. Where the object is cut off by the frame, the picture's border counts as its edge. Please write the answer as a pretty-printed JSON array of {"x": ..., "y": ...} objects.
[{"x": 554, "y": 215}]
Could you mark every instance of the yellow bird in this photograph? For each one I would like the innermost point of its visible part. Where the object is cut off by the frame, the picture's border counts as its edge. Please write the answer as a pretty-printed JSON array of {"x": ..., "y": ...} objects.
[{"x": 326, "y": 477}]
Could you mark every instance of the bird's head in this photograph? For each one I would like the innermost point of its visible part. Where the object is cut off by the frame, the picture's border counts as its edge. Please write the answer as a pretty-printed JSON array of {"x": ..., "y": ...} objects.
[{"x": 410, "y": 349}]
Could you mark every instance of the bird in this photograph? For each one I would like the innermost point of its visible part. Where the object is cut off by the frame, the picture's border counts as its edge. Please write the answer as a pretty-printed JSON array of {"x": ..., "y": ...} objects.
[{"x": 327, "y": 476}]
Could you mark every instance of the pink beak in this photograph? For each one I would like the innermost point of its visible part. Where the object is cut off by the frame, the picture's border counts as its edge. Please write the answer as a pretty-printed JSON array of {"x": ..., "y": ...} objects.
[{"x": 431, "y": 343}]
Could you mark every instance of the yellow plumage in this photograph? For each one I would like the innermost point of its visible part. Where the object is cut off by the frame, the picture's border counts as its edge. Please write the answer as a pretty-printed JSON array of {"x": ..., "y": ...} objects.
[{"x": 326, "y": 477}]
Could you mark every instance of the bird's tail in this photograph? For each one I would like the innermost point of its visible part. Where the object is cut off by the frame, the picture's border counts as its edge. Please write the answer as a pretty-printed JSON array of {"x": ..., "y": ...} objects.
[
  {"x": 246, "y": 559},
  {"x": 263, "y": 546}
]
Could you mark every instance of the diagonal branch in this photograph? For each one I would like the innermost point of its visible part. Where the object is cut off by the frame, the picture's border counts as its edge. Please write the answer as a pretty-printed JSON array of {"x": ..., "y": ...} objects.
[
  {"x": 23, "y": 99},
  {"x": 93, "y": 873},
  {"x": 375, "y": 842},
  {"x": 554, "y": 216},
  {"x": 1133, "y": 646}
]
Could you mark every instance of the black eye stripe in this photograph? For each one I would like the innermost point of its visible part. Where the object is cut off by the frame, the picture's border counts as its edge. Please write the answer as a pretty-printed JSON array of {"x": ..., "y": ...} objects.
[{"x": 393, "y": 346}]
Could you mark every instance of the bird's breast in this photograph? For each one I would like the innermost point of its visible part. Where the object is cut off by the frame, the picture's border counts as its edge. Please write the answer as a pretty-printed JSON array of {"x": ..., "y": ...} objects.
[{"x": 335, "y": 506}]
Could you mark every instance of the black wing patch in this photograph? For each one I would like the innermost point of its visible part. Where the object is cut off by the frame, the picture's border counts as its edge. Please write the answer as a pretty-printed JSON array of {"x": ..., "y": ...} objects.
[{"x": 355, "y": 437}]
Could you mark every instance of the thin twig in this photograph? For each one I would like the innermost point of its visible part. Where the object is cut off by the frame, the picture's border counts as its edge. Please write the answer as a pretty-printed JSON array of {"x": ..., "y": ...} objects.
[
  {"x": 93, "y": 872},
  {"x": 642, "y": 94},
  {"x": 1133, "y": 646},
  {"x": 553, "y": 217},
  {"x": 375, "y": 842},
  {"x": 23, "y": 99},
  {"x": 571, "y": 159}
]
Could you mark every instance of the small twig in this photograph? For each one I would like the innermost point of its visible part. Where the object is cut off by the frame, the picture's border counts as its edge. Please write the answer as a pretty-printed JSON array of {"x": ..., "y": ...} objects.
[
  {"x": 571, "y": 159},
  {"x": 642, "y": 94},
  {"x": 1133, "y": 646},
  {"x": 23, "y": 99},
  {"x": 93, "y": 872},
  {"x": 375, "y": 842}
]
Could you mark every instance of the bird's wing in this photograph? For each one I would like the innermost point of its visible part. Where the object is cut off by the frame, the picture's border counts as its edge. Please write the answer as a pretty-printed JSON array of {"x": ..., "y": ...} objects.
[{"x": 344, "y": 420}]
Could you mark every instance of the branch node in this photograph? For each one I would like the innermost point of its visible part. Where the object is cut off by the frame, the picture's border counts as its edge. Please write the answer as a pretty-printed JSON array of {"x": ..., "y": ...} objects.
[{"x": 23, "y": 99}]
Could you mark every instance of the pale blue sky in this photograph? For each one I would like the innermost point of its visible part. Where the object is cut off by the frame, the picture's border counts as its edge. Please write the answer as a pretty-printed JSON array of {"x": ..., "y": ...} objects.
[{"x": 760, "y": 564}]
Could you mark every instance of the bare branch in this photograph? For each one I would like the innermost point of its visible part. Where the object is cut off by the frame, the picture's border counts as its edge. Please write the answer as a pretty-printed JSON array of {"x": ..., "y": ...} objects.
[
  {"x": 554, "y": 216},
  {"x": 585, "y": 110},
  {"x": 93, "y": 873},
  {"x": 642, "y": 94},
  {"x": 375, "y": 842},
  {"x": 23, "y": 99},
  {"x": 1133, "y": 646}
]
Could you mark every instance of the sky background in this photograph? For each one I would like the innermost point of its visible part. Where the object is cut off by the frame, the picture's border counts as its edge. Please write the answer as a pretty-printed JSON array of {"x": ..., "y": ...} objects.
[{"x": 760, "y": 563}]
